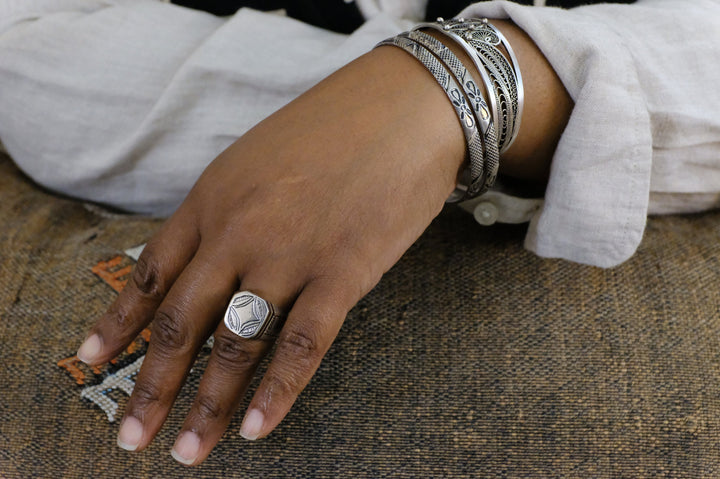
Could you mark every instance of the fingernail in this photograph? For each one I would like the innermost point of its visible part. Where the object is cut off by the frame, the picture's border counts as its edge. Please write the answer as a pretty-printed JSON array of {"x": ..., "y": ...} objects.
[
  {"x": 90, "y": 349},
  {"x": 186, "y": 448},
  {"x": 252, "y": 424},
  {"x": 130, "y": 435}
]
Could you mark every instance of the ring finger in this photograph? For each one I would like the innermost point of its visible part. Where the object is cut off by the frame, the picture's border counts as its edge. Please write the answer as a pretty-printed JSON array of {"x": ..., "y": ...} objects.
[{"x": 230, "y": 370}]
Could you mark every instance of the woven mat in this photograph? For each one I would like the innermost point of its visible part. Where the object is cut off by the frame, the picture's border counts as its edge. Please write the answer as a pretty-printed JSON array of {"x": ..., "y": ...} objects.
[{"x": 471, "y": 358}]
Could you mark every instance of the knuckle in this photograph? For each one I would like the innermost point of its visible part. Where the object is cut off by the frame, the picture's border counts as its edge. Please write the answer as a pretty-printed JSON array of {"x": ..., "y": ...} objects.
[
  {"x": 147, "y": 276},
  {"x": 300, "y": 342},
  {"x": 170, "y": 330},
  {"x": 145, "y": 394},
  {"x": 298, "y": 354},
  {"x": 118, "y": 317},
  {"x": 281, "y": 385},
  {"x": 232, "y": 353},
  {"x": 209, "y": 408}
]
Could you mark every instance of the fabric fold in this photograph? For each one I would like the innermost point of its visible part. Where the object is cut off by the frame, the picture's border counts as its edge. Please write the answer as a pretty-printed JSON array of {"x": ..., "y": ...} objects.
[{"x": 596, "y": 201}]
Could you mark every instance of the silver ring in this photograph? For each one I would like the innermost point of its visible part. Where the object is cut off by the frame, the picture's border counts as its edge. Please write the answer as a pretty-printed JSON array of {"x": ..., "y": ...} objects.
[{"x": 251, "y": 317}]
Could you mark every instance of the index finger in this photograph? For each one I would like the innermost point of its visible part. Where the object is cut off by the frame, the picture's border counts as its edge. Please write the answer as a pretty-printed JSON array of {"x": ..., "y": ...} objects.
[{"x": 165, "y": 256}]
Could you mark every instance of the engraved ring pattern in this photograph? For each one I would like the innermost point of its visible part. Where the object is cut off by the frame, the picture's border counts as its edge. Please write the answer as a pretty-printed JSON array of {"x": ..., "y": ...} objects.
[{"x": 252, "y": 317}]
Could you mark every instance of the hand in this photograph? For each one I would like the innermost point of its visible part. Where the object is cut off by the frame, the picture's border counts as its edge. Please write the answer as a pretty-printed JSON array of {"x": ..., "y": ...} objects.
[{"x": 307, "y": 210}]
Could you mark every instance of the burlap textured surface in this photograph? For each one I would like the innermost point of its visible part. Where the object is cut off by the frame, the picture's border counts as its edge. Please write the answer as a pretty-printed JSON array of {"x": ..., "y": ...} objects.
[{"x": 472, "y": 358}]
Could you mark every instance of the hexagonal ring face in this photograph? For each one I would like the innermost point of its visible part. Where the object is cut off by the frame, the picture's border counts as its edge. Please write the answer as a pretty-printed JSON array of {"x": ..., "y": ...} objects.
[{"x": 247, "y": 315}]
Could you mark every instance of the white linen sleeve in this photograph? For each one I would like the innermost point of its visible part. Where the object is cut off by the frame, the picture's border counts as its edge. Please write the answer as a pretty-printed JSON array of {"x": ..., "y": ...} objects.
[
  {"x": 644, "y": 80},
  {"x": 409, "y": 9},
  {"x": 125, "y": 102}
]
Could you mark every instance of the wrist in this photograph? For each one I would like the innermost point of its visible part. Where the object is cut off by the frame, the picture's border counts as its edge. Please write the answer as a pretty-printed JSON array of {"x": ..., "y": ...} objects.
[{"x": 427, "y": 119}]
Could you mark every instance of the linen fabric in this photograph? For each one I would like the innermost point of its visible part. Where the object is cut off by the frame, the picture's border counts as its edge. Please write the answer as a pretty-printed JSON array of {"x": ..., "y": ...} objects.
[{"x": 125, "y": 101}]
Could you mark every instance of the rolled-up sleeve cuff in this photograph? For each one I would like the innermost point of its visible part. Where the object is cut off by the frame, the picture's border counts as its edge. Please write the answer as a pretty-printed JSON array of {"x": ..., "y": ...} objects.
[{"x": 596, "y": 201}]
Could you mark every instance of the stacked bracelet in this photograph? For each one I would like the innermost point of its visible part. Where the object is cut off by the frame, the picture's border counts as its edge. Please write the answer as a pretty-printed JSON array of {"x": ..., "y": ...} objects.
[
  {"x": 480, "y": 122},
  {"x": 463, "y": 108},
  {"x": 481, "y": 177},
  {"x": 484, "y": 38}
]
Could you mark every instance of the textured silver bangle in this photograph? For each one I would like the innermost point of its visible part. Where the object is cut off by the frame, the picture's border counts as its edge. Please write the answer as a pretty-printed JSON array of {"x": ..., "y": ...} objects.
[
  {"x": 461, "y": 74},
  {"x": 478, "y": 184},
  {"x": 484, "y": 39},
  {"x": 466, "y": 115},
  {"x": 475, "y": 58}
]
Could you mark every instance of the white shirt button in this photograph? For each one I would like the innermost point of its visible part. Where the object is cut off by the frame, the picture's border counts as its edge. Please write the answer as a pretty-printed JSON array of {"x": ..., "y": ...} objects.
[{"x": 486, "y": 213}]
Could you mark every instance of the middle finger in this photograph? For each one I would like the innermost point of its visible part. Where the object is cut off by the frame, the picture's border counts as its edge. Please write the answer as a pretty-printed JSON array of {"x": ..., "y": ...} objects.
[{"x": 229, "y": 371}]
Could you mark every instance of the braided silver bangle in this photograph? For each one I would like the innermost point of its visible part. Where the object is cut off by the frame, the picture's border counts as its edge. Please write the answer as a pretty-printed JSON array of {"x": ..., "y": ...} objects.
[
  {"x": 478, "y": 184},
  {"x": 465, "y": 112}
]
